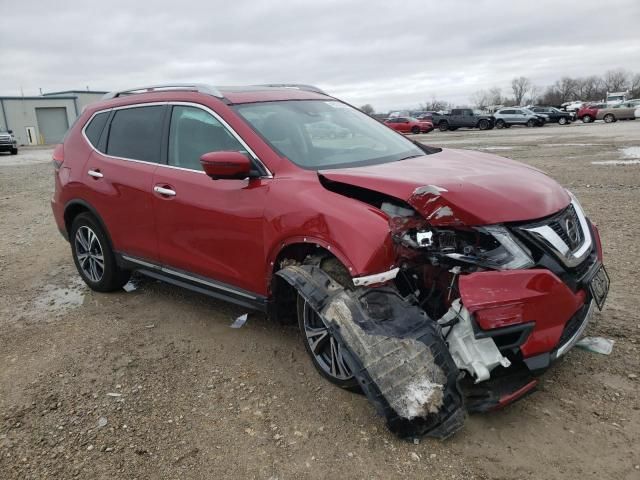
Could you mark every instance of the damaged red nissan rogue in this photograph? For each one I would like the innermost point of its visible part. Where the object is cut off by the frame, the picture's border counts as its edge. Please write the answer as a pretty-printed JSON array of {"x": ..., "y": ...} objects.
[{"x": 436, "y": 281}]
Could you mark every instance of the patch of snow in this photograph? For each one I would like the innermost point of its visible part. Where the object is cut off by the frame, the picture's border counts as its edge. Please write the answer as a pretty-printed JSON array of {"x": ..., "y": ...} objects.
[
  {"x": 630, "y": 152},
  {"x": 617, "y": 162},
  {"x": 496, "y": 147}
]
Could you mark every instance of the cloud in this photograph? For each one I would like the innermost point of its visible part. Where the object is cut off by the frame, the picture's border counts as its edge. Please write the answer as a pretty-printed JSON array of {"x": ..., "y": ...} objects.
[{"x": 389, "y": 54}]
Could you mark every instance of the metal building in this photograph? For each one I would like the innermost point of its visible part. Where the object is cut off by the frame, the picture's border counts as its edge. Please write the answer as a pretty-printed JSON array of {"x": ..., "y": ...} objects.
[{"x": 44, "y": 119}]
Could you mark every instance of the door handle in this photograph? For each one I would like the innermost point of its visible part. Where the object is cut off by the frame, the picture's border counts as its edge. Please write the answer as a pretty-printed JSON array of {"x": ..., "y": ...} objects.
[
  {"x": 164, "y": 191},
  {"x": 95, "y": 174}
]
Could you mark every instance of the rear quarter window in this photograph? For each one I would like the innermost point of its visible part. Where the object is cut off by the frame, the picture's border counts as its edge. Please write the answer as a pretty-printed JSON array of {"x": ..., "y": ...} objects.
[{"x": 94, "y": 128}]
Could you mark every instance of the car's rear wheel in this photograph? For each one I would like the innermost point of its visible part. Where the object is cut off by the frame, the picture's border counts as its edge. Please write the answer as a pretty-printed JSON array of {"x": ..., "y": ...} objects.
[
  {"x": 93, "y": 256},
  {"x": 443, "y": 126},
  {"x": 563, "y": 120},
  {"x": 531, "y": 123},
  {"x": 415, "y": 130},
  {"x": 483, "y": 124},
  {"x": 587, "y": 119},
  {"x": 325, "y": 352},
  {"x": 609, "y": 118},
  {"x": 500, "y": 124}
]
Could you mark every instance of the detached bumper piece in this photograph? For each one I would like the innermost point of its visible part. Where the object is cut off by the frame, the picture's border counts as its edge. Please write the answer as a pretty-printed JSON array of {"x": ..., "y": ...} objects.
[{"x": 396, "y": 352}]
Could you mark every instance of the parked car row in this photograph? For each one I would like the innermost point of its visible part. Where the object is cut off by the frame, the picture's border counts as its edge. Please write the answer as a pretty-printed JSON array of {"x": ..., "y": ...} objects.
[
  {"x": 530, "y": 116},
  {"x": 609, "y": 113}
]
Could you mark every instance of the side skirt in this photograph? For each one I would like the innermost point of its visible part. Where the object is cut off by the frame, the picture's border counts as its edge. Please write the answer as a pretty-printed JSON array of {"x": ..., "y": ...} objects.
[{"x": 194, "y": 282}]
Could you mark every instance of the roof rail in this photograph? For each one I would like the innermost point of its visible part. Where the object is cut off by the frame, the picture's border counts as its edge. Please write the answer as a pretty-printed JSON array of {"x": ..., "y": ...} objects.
[
  {"x": 193, "y": 87},
  {"x": 299, "y": 86}
]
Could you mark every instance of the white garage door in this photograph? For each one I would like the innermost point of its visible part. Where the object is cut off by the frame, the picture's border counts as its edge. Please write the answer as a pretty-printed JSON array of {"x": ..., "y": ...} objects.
[{"x": 52, "y": 123}]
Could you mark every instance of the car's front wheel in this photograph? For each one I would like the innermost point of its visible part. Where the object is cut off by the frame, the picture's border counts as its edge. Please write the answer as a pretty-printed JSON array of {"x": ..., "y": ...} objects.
[
  {"x": 93, "y": 256},
  {"x": 609, "y": 118},
  {"x": 563, "y": 120},
  {"x": 483, "y": 124},
  {"x": 415, "y": 130},
  {"x": 325, "y": 351},
  {"x": 443, "y": 126},
  {"x": 531, "y": 123},
  {"x": 587, "y": 119}
]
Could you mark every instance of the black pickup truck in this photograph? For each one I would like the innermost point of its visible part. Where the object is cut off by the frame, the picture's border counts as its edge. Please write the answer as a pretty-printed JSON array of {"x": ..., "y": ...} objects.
[{"x": 462, "y": 118}]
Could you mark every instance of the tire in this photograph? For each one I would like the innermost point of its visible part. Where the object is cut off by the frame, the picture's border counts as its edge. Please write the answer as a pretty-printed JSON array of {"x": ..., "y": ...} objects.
[
  {"x": 609, "y": 118},
  {"x": 563, "y": 121},
  {"x": 93, "y": 256},
  {"x": 531, "y": 123},
  {"x": 500, "y": 124},
  {"x": 14, "y": 151},
  {"x": 587, "y": 119},
  {"x": 312, "y": 327},
  {"x": 443, "y": 126},
  {"x": 415, "y": 130},
  {"x": 483, "y": 124}
]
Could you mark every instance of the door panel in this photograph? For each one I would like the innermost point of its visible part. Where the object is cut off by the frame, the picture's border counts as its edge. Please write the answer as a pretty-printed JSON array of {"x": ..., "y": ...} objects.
[
  {"x": 122, "y": 197},
  {"x": 213, "y": 228},
  {"x": 121, "y": 179}
]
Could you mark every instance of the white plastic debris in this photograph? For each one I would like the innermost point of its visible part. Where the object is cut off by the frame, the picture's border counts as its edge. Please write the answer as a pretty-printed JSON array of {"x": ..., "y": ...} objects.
[
  {"x": 130, "y": 286},
  {"x": 596, "y": 344},
  {"x": 102, "y": 422},
  {"x": 240, "y": 321},
  {"x": 114, "y": 394}
]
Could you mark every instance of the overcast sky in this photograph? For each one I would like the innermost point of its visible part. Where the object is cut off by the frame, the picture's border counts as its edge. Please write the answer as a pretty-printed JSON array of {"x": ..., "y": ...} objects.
[{"x": 387, "y": 53}]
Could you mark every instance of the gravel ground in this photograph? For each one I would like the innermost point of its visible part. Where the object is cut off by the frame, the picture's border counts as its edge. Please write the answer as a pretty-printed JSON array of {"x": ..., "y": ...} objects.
[{"x": 154, "y": 384}]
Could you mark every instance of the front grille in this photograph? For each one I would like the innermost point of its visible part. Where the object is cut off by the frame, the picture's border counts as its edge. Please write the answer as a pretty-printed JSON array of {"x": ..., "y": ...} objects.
[
  {"x": 5, "y": 140},
  {"x": 565, "y": 235},
  {"x": 567, "y": 227}
]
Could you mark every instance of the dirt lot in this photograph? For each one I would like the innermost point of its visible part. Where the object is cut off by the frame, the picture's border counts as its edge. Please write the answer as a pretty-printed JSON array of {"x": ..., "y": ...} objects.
[{"x": 154, "y": 383}]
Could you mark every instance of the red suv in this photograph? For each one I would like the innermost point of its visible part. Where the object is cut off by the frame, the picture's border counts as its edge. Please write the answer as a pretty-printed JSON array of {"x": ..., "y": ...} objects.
[
  {"x": 436, "y": 281},
  {"x": 409, "y": 125}
]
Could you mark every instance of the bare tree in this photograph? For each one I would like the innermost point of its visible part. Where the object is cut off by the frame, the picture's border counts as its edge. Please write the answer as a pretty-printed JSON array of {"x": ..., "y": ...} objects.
[
  {"x": 567, "y": 89},
  {"x": 590, "y": 88},
  {"x": 495, "y": 96},
  {"x": 520, "y": 87},
  {"x": 616, "y": 80},
  {"x": 534, "y": 95},
  {"x": 367, "y": 108},
  {"x": 634, "y": 87},
  {"x": 435, "y": 105},
  {"x": 480, "y": 99}
]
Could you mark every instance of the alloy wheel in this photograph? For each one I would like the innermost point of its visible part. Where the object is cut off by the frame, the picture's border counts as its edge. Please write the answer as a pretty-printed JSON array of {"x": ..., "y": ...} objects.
[
  {"x": 89, "y": 253},
  {"x": 325, "y": 349}
]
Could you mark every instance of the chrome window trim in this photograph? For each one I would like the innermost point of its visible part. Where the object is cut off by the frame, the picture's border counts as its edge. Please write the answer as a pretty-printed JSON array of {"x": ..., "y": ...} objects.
[
  {"x": 189, "y": 104},
  {"x": 192, "y": 278},
  {"x": 559, "y": 247}
]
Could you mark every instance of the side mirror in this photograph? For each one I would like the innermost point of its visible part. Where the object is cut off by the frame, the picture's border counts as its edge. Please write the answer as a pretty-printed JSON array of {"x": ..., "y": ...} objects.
[
  {"x": 10, "y": 131},
  {"x": 226, "y": 165}
]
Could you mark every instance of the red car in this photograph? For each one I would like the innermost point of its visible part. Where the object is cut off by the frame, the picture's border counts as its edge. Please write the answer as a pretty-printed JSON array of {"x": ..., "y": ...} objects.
[
  {"x": 409, "y": 125},
  {"x": 437, "y": 281},
  {"x": 588, "y": 112}
]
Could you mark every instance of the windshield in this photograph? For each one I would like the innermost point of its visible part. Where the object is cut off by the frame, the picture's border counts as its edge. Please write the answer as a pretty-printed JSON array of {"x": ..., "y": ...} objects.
[{"x": 316, "y": 134}]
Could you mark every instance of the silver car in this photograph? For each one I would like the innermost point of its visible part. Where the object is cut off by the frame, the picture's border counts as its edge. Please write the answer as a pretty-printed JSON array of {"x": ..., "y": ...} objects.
[
  {"x": 622, "y": 111},
  {"x": 505, "y": 117}
]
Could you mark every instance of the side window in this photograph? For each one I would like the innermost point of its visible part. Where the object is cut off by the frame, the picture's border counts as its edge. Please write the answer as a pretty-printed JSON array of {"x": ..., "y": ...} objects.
[
  {"x": 135, "y": 133},
  {"x": 194, "y": 132},
  {"x": 95, "y": 127}
]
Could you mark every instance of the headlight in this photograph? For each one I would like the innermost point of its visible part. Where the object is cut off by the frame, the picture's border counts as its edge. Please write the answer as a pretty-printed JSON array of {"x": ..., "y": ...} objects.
[{"x": 492, "y": 247}]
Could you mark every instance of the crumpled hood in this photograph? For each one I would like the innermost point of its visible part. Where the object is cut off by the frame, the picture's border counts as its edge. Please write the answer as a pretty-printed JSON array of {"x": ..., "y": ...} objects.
[{"x": 460, "y": 187}]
